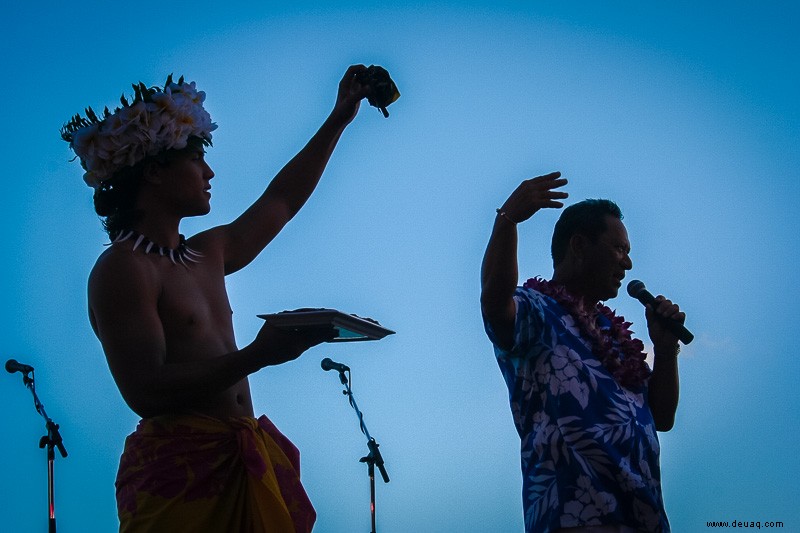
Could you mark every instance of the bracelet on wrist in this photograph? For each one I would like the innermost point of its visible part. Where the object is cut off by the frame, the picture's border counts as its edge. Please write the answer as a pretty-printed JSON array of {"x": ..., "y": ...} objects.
[{"x": 503, "y": 214}]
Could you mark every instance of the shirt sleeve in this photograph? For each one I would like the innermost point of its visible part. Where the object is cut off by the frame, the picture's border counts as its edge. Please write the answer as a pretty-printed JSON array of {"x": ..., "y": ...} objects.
[{"x": 528, "y": 325}]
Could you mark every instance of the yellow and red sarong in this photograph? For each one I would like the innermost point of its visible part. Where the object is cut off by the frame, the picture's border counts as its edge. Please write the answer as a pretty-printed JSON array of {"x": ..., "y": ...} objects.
[{"x": 202, "y": 474}]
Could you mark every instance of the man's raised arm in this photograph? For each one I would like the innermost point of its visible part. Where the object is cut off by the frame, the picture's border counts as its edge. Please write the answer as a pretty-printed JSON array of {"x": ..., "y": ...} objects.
[
  {"x": 499, "y": 273},
  {"x": 246, "y": 237}
]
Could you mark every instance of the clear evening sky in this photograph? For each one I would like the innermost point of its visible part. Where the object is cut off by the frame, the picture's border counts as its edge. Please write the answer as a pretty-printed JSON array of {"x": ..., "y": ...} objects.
[{"x": 686, "y": 114}]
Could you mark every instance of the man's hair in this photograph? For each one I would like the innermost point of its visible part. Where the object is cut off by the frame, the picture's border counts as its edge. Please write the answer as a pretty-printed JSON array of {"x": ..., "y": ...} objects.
[
  {"x": 584, "y": 218},
  {"x": 115, "y": 199}
]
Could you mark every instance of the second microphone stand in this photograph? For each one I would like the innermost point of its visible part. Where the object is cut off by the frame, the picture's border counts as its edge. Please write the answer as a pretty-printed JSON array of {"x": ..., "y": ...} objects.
[
  {"x": 50, "y": 441},
  {"x": 373, "y": 458}
]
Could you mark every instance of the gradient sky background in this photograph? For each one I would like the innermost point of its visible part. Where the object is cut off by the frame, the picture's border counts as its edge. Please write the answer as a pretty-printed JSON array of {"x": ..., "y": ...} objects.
[{"x": 685, "y": 113}]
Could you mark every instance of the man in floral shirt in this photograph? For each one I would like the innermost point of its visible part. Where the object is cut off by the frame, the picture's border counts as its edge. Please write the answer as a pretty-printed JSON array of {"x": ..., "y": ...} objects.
[{"x": 585, "y": 403}]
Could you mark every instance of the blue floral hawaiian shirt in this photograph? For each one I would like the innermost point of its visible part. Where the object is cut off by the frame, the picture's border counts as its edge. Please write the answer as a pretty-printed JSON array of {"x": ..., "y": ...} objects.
[{"x": 589, "y": 446}]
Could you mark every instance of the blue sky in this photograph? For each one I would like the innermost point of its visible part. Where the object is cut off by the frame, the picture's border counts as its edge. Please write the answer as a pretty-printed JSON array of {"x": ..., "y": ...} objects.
[{"x": 685, "y": 114}]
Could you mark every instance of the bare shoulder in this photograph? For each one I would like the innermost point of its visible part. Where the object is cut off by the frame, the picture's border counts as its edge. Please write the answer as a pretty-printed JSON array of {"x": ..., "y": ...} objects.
[
  {"x": 216, "y": 245},
  {"x": 210, "y": 242},
  {"x": 118, "y": 268},
  {"x": 121, "y": 280}
]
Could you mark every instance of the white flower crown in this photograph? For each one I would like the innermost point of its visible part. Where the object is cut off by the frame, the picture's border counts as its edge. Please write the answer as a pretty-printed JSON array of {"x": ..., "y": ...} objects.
[{"x": 156, "y": 120}]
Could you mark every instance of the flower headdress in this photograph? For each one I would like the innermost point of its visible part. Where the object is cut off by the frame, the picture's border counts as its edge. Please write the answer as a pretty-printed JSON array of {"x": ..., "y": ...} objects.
[{"x": 155, "y": 120}]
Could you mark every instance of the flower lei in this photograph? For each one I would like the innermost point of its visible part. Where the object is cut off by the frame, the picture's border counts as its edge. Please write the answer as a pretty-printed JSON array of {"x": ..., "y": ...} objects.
[
  {"x": 616, "y": 348},
  {"x": 155, "y": 120}
]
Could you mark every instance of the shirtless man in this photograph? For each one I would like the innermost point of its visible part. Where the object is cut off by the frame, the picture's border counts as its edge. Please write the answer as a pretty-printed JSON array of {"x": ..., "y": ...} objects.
[{"x": 159, "y": 305}]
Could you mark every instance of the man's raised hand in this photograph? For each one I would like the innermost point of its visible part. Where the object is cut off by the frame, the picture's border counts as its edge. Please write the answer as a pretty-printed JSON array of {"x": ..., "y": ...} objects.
[
  {"x": 534, "y": 194},
  {"x": 350, "y": 94}
]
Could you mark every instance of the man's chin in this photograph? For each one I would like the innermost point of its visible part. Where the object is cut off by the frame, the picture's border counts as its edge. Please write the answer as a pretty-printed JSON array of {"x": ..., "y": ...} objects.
[
  {"x": 199, "y": 212},
  {"x": 611, "y": 293}
]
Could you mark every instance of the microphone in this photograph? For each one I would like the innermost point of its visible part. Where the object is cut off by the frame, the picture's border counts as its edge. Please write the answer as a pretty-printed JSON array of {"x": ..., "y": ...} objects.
[
  {"x": 327, "y": 364},
  {"x": 637, "y": 289},
  {"x": 13, "y": 366}
]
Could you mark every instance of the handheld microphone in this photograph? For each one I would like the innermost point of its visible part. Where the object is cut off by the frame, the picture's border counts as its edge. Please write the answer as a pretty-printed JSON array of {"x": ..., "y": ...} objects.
[
  {"x": 327, "y": 364},
  {"x": 637, "y": 289},
  {"x": 13, "y": 366}
]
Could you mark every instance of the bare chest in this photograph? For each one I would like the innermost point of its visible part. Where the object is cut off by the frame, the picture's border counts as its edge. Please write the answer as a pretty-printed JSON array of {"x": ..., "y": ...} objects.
[{"x": 195, "y": 312}]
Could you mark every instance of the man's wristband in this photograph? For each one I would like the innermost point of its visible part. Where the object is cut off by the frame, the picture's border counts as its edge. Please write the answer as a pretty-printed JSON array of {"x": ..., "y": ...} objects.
[{"x": 503, "y": 214}]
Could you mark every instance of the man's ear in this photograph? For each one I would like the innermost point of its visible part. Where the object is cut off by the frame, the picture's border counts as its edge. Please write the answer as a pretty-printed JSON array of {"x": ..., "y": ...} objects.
[
  {"x": 153, "y": 173},
  {"x": 577, "y": 245}
]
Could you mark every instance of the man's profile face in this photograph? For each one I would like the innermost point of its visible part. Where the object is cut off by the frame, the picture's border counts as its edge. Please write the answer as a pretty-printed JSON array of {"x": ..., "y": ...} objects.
[
  {"x": 187, "y": 182},
  {"x": 607, "y": 260}
]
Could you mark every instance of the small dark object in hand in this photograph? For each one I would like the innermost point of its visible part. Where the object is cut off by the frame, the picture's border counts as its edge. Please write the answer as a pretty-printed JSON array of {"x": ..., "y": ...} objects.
[{"x": 384, "y": 91}]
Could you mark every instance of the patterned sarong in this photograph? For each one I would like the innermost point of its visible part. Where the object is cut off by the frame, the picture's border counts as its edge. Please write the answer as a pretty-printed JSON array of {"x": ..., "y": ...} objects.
[{"x": 193, "y": 473}]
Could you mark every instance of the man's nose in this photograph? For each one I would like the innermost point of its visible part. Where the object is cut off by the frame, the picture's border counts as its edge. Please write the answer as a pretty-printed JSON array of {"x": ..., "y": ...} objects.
[{"x": 627, "y": 264}]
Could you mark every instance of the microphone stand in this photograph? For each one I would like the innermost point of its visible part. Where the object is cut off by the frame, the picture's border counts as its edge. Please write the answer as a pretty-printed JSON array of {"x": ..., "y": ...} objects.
[
  {"x": 51, "y": 440},
  {"x": 374, "y": 457}
]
